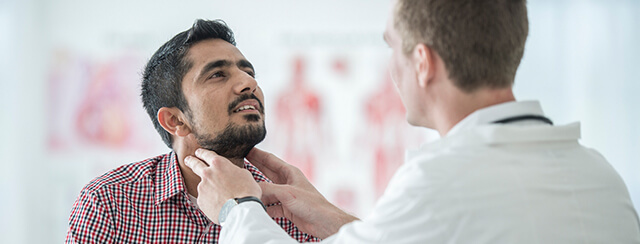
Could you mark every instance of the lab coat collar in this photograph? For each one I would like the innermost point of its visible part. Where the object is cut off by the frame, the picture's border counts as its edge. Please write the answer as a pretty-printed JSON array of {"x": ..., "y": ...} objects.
[
  {"x": 496, "y": 112},
  {"x": 478, "y": 129}
]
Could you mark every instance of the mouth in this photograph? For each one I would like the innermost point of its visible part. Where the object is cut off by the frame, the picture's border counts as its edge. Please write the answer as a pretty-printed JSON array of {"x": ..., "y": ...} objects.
[
  {"x": 248, "y": 106},
  {"x": 246, "y": 103},
  {"x": 245, "y": 107}
]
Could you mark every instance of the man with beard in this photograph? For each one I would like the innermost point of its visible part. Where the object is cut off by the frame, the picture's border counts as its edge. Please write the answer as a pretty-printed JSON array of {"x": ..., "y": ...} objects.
[{"x": 200, "y": 92}]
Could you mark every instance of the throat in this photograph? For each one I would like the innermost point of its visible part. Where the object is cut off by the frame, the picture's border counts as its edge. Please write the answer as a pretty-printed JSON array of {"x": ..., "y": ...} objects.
[
  {"x": 191, "y": 180},
  {"x": 237, "y": 161}
]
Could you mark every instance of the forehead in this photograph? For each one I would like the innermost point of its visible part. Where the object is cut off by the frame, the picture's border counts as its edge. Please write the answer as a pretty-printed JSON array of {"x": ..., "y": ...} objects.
[
  {"x": 390, "y": 33},
  {"x": 391, "y": 16},
  {"x": 212, "y": 49}
]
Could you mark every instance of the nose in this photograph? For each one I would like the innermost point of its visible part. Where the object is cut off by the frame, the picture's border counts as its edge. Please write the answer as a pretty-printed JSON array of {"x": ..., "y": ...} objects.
[{"x": 246, "y": 83}]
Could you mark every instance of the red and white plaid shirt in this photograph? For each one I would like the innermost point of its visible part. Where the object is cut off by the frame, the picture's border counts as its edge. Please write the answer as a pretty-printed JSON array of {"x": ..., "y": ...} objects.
[{"x": 147, "y": 202}]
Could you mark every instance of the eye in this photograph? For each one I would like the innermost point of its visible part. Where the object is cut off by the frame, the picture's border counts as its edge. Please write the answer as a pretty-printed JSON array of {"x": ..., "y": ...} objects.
[
  {"x": 251, "y": 73},
  {"x": 217, "y": 74}
]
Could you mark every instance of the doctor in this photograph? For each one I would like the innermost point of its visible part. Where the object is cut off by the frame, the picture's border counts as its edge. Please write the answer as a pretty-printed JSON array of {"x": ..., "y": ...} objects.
[{"x": 502, "y": 172}]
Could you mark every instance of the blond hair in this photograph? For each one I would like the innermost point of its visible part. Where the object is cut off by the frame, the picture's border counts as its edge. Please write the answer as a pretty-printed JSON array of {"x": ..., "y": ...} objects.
[{"x": 480, "y": 41}]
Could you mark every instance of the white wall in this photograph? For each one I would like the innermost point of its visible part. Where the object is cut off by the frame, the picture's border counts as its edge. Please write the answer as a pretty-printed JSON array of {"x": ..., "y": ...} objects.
[
  {"x": 23, "y": 205},
  {"x": 581, "y": 61}
]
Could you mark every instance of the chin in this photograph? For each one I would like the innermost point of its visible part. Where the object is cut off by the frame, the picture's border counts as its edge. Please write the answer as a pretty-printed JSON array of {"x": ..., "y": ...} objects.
[
  {"x": 411, "y": 120},
  {"x": 419, "y": 122},
  {"x": 253, "y": 117}
]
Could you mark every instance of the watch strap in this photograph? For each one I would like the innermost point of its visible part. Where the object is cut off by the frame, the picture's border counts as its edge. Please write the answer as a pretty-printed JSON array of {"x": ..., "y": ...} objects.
[{"x": 250, "y": 199}]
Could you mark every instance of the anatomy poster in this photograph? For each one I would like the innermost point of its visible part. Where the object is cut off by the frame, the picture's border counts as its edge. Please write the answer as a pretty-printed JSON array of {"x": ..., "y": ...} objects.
[
  {"x": 94, "y": 103},
  {"x": 336, "y": 115}
]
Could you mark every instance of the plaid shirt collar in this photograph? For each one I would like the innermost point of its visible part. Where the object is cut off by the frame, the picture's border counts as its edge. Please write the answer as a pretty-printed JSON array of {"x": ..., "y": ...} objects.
[{"x": 169, "y": 180}]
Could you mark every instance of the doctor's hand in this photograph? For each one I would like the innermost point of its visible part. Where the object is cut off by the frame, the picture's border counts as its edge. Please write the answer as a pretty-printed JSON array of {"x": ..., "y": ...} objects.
[
  {"x": 299, "y": 201},
  {"x": 220, "y": 180}
]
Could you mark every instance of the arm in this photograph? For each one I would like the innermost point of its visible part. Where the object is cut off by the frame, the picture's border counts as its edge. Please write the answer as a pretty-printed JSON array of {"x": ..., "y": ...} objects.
[
  {"x": 89, "y": 221},
  {"x": 408, "y": 212},
  {"x": 300, "y": 201}
]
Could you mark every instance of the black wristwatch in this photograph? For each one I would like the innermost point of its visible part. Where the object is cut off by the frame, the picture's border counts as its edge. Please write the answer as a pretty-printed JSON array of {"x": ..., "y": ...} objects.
[{"x": 229, "y": 204}]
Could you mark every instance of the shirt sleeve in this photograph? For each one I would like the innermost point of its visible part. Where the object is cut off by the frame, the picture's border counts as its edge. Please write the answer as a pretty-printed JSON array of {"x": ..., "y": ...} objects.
[{"x": 89, "y": 221}]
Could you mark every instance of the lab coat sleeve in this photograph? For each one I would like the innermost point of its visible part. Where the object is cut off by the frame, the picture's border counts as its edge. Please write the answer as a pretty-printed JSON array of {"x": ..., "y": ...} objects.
[
  {"x": 399, "y": 217},
  {"x": 249, "y": 223}
]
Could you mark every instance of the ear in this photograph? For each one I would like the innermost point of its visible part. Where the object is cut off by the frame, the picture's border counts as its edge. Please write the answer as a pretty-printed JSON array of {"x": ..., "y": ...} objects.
[
  {"x": 423, "y": 61},
  {"x": 174, "y": 121}
]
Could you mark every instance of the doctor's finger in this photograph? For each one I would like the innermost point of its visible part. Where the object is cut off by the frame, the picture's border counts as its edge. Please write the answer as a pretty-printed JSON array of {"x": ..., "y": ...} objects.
[
  {"x": 196, "y": 165},
  {"x": 274, "y": 193},
  {"x": 272, "y": 166},
  {"x": 206, "y": 155},
  {"x": 268, "y": 193},
  {"x": 275, "y": 211}
]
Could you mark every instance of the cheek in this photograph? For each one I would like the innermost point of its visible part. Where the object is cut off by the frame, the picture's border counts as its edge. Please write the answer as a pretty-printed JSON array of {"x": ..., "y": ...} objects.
[
  {"x": 400, "y": 71},
  {"x": 393, "y": 70},
  {"x": 259, "y": 94},
  {"x": 396, "y": 68},
  {"x": 213, "y": 110}
]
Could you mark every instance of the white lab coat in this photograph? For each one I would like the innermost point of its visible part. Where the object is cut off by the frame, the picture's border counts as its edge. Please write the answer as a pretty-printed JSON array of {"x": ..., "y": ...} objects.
[{"x": 522, "y": 182}]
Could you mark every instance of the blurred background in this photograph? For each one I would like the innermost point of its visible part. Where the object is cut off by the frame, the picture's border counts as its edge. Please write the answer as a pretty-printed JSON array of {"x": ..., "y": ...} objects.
[{"x": 70, "y": 78}]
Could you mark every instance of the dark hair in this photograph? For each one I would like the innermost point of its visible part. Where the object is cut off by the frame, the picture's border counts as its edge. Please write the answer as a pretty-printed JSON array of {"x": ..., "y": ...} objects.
[
  {"x": 480, "y": 41},
  {"x": 162, "y": 77}
]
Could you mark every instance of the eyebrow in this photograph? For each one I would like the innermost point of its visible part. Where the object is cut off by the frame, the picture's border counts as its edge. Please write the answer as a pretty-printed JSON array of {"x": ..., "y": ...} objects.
[
  {"x": 245, "y": 64},
  {"x": 224, "y": 63}
]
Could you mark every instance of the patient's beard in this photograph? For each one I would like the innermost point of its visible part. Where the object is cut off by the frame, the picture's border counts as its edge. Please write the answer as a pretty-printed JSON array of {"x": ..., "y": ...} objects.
[{"x": 235, "y": 141}]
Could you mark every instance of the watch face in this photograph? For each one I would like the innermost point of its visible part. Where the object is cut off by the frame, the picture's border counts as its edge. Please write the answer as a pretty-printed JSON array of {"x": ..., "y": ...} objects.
[{"x": 226, "y": 208}]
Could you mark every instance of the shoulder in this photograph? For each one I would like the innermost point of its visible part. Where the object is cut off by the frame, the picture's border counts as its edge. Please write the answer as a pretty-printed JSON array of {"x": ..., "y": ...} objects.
[
  {"x": 126, "y": 174},
  {"x": 437, "y": 166},
  {"x": 434, "y": 162}
]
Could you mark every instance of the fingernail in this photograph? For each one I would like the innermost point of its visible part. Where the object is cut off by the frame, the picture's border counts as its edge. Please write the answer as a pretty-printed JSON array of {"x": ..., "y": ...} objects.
[
  {"x": 198, "y": 151},
  {"x": 187, "y": 161}
]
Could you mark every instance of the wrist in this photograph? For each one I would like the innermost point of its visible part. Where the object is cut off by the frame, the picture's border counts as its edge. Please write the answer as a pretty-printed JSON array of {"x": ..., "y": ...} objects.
[
  {"x": 335, "y": 218},
  {"x": 233, "y": 202}
]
